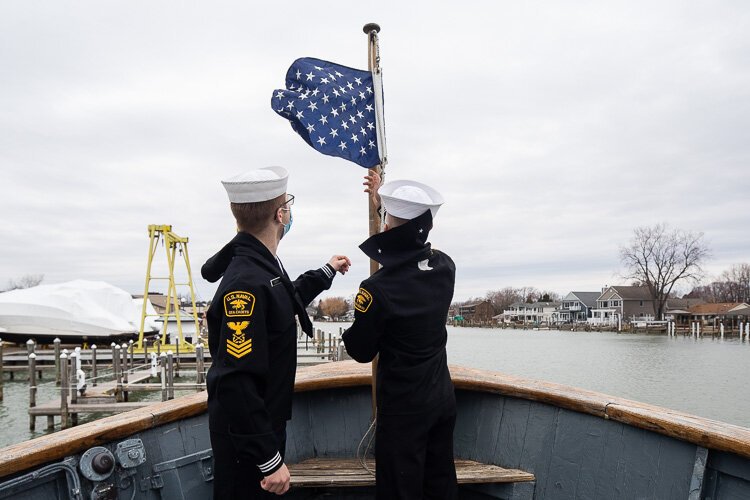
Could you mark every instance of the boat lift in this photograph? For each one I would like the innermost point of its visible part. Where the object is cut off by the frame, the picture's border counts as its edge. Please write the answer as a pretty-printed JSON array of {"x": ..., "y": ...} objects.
[{"x": 173, "y": 244}]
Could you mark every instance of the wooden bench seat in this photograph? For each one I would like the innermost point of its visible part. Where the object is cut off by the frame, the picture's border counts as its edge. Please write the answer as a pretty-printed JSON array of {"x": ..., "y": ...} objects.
[{"x": 336, "y": 472}]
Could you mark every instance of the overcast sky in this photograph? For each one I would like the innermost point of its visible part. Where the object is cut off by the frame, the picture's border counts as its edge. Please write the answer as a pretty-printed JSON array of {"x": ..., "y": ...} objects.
[{"x": 552, "y": 131}]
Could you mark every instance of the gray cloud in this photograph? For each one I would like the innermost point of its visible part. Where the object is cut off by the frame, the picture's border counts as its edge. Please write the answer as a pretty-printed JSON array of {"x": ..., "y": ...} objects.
[{"x": 552, "y": 131}]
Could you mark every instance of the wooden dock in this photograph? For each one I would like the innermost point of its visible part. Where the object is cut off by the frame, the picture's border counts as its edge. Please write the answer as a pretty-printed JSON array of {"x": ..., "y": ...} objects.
[{"x": 100, "y": 380}]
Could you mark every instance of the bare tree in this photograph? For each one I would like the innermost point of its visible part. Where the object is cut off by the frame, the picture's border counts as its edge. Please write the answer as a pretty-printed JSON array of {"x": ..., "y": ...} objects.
[
  {"x": 502, "y": 299},
  {"x": 737, "y": 282},
  {"x": 732, "y": 286},
  {"x": 334, "y": 307},
  {"x": 26, "y": 281},
  {"x": 659, "y": 257}
]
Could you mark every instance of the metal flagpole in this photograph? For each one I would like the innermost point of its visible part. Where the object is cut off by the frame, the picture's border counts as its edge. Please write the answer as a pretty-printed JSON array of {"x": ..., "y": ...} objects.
[{"x": 373, "y": 64}]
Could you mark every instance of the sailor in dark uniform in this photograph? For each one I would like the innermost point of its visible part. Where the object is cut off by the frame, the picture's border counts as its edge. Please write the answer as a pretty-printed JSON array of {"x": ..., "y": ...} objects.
[
  {"x": 400, "y": 313},
  {"x": 252, "y": 338}
]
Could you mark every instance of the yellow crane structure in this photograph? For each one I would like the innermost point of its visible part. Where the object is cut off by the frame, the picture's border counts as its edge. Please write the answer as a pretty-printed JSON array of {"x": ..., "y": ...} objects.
[{"x": 173, "y": 245}]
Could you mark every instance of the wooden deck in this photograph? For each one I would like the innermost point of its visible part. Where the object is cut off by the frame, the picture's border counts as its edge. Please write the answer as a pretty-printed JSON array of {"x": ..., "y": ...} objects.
[
  {"x": 332, "y": 472},
  {"x": 97, "y": 399}
]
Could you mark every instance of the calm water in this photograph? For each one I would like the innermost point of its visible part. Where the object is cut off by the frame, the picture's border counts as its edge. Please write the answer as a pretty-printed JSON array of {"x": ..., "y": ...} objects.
[
  {"x": 14, "y": 417},
  {"x": 708, "y": 377}
]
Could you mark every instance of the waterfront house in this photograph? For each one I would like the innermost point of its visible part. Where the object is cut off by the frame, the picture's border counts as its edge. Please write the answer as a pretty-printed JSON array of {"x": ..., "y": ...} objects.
[
  {"x": 714, "y": 314},
  {"x": 536, "y": 312},
  {"x": 478, "y": 312},
  {"x": 623, "y": 303},
  {"x": 577, "y": 306},
  {"x": 678, "y": 310}
]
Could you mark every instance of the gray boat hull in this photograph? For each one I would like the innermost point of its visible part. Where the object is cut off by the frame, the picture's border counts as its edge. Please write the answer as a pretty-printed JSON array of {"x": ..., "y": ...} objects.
[{"x": 571, "y": 453}]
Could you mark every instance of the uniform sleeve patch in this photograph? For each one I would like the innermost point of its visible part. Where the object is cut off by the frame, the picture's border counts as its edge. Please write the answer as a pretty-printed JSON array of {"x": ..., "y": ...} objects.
[
  {"x": 238, "y": 304},
  {"x": 363, "y": 300},
  {"x": 238, "y": 345}
]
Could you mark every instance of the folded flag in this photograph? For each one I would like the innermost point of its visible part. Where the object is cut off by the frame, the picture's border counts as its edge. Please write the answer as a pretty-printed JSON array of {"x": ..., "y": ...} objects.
[{"x": 332, "y": 107}]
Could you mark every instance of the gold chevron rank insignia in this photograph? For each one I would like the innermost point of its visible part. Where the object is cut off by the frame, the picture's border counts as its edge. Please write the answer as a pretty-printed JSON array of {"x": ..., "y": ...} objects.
[
  {"x": 363, "y": 300},
  {"x": 237, "y": 346}
]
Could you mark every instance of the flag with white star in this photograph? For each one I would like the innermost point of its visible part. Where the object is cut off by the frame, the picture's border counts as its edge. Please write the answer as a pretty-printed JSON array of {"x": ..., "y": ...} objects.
[{"x": 332, "y": 107}]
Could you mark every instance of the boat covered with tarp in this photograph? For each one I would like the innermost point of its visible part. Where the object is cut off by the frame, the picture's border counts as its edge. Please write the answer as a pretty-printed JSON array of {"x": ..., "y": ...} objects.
[{"x": 78, "y": 310}]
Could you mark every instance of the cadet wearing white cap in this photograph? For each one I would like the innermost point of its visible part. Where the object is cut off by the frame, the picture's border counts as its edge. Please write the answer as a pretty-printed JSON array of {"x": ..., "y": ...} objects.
[
  {"x": 400, "y": 313},
  {"x": 252, "y": 337}
]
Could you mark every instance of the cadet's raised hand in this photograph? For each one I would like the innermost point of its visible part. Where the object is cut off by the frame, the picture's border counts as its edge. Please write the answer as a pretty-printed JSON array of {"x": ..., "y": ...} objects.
[
  {"x": 372, "y": 184},
  {"x": 340, "y": 263},
  {"x": 278, "y": 482}
]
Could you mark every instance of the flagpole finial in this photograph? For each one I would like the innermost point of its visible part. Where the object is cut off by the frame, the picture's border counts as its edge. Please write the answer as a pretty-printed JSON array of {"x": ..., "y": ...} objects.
[{"x": 369, "y": 27}]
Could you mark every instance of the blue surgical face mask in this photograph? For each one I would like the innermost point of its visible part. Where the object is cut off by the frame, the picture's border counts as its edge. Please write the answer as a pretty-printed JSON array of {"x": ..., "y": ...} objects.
[{"x": 288, "y": 225}]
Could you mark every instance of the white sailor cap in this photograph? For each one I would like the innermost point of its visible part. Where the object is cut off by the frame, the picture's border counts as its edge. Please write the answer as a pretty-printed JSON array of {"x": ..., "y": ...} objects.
[
  {"x": 257, "y": 185},
  {"x": 409, "y": 199}
]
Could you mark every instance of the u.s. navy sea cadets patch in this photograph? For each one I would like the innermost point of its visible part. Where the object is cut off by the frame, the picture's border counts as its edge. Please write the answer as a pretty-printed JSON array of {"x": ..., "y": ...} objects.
[
  {"x": 238, "y": 346},
  {"x": 363, "y": 300},
  {"x": 238, "y": 304}
]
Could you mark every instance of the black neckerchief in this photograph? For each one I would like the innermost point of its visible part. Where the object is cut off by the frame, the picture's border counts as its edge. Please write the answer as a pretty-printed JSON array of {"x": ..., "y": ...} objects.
[
  {"x": 405, "y": 243},
  {"x": 247, "y": 245}
]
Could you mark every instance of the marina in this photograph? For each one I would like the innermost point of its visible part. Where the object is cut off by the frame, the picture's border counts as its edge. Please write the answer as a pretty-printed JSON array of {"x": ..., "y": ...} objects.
[{"x": 68, "y": 385}]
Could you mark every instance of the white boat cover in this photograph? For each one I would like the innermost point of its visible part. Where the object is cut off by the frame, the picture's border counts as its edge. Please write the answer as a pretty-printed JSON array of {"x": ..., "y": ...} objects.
[{"x": 90, "y": 308}]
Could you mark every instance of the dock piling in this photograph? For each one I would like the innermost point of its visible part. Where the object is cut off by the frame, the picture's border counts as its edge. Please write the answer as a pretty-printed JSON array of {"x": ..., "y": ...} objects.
[
  {"x": 170, "y": 375},
  {"x": 163, "y": 375},
  {"x": 340, "y": 351},
  {"x": 93, "y": 365},
  {"x": 112, "y": 348},
  {"x": 30, "y": 346},
  {"x": 64, "y": 390},
  {"x": 1, "y": 369},
  {"x": 124, "y": 369},
  {"x": 72, "y": 385},
  {"x": 56, "y": 343},
  {"x": 116, "y": 360},
  {"x": 32, "y": 389},
  {"x": 177, "y": 360},
  {"x": 199, "y": 379}
]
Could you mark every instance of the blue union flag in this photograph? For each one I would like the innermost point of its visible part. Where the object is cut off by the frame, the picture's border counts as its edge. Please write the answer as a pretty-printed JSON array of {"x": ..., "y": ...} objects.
[{"x": 332, "y": 107}]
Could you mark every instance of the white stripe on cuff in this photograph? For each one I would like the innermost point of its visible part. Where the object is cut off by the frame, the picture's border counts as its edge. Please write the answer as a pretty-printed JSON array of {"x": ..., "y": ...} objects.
[
  {"x": 328, "y": 271},
  {"x": 271, "y": 463}
]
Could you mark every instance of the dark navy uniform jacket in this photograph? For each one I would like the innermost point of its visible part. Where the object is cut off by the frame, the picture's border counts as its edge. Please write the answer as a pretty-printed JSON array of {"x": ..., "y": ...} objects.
[
  {"x": 401, "y": 312},
  {"x": 252, "y": 336}
]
